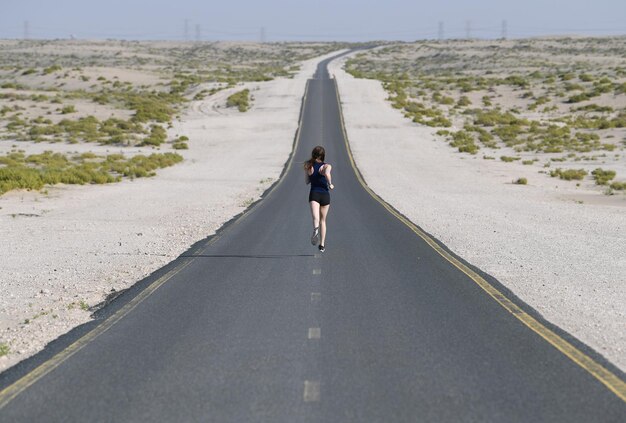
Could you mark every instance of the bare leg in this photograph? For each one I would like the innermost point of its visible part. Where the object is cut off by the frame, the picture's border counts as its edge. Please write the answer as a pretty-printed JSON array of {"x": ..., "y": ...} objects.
[
  {"x": 323, "y": 214},
  {"x": 315, "y": 213}
]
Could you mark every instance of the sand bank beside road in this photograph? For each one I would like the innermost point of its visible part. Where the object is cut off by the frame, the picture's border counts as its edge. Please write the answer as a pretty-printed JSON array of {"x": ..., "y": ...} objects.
[{"x": 564, "y": 257}]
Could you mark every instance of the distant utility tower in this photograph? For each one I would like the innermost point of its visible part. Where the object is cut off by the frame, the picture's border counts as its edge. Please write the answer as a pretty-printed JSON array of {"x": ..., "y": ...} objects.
[
  {"x": 468, "y": 29},
  {"x": 440, "y": 35},
  {"x": 186, "y": 33},
  {"x": 504, "y": 29},
  {"x": 26, "y": 30},
  {"x": 198, "y": 32},
  {"x": 262, "y": 35}
]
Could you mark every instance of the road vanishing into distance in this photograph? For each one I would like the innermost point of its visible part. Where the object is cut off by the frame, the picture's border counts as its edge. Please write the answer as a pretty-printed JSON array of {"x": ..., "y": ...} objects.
[{"x": 256, "y": 325}]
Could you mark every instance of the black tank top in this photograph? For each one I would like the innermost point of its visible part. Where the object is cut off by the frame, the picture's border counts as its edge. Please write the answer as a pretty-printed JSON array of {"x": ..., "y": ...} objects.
[{"x": 318, "y": 181}]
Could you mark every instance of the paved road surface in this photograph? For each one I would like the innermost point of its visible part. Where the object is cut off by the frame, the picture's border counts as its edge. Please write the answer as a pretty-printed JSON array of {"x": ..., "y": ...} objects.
[{"x": 259, "y": 326}]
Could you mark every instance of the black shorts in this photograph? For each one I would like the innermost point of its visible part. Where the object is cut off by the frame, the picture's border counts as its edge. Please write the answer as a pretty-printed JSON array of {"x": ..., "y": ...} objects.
[{"x": 321, "y": 197}]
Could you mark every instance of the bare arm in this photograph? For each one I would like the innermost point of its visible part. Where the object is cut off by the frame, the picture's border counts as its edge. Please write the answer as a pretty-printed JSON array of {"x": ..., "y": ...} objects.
[{"x": 326, "y": 172}]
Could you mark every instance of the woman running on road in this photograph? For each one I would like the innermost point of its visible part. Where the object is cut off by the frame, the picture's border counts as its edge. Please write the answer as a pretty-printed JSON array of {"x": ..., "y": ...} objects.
[{"x": 317, "y": 173}]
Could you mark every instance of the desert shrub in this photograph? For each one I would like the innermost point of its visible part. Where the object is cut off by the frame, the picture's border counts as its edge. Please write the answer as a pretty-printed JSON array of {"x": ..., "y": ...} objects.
[
  {"x": 463, "y": 101},
  {"x": 240, "y": 99},
  {"x": 51, "y": 69},
  {"x": 585, "y": 77},
  {"x": 569, "y": 174},
  {"x": 573, "y": 87},
  {"x": 495, "y": 117},
  {"x": 68, "y": 109},
  {"x": 181, "y": 143},
  {"x": 445, "y": 100},
  {"x": 484, "y": 136},
  {"x": 509, "y": 134},
  {"x": 541, "y": 100},
  {"x": 156, "y": 137},
  {"x": 593, "y": 108},
  {"x": 521, "y": 181},
  {"x": 508, "y": 159},
  {"x": 486, "y": 101},
  {"x": 602, "y": 177},
  {"x": 618, "y": 186},
  {"x": 36, "y": 171},
  {"x": 578, "y": 98},
  {"x": 151, "y": 106},
  {"x": 29, "y": 71},
  {"x": 464, "y": 141},
  {"x": 11, "y": 85},
  {"x": 4, "y": 350},
  {"x": 516, "y": 80},
  {"x": 528, "y": 162}
]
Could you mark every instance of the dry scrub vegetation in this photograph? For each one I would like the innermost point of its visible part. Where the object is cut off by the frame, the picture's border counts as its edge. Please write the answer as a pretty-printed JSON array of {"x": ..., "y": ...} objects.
[
  {"x": 118, "y": 93},
  {"x": 536, "y": 101}
]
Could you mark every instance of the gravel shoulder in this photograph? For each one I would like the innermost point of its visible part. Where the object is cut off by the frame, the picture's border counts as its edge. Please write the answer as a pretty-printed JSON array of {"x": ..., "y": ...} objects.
[{"x": 561, "y": 249}]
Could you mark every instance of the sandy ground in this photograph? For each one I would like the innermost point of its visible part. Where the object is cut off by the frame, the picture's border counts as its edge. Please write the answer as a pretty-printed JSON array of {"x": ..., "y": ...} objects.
[
  {"x": 560, "y": 248},
  {"x": 67, "y": 250}
]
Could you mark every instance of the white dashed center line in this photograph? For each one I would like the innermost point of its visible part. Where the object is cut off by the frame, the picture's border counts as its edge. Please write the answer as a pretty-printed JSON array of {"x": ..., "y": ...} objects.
[
  {"x": 316, "y": 297},
  {"x": 317, "y": 271},
  {"x": 315, "y": 333},
  {"x": 311, "y": 391}
]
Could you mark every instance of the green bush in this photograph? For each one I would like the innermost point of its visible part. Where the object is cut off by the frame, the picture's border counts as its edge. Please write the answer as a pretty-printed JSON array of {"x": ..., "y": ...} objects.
[
  {"x": 180, "y": 145},
  {"x": 29, "y": 72},
  {"x": 521, "y": 181},
  {"x": 464, "y": 101},
  {"x": 51, "y": 69},
  {"x": 68, "y": 109},
  {"x": 578, "y": 98},
  {"x": 36, "y": 171},
  {"x": 156, "y": 137},
  {"x": 4, "y": 350},
  {"x": 240, "y": 99},
  {"x": 569, "y": 174},
  {"x": 464, "y": 141},
  {"x": 602, "y": 176},
  {"x": 618, "y": 186},
  {"x": 509, "y": 159}
]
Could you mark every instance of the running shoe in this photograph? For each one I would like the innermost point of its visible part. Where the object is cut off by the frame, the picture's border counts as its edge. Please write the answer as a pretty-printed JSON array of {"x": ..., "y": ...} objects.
[
  {"x": 315, "y": 238},
  {"x": 322, "y": 248}
]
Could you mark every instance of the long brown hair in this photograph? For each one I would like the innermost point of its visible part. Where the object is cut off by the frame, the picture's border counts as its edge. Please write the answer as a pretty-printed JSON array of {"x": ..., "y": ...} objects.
[{"x": 317, "y": 153}]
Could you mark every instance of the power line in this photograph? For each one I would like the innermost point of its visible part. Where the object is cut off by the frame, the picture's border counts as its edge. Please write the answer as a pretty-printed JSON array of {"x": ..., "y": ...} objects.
[
  {"x": 440, "y": 32},
  {"x": 504, "y": 29},
  {"x": 26, "y": 30}
]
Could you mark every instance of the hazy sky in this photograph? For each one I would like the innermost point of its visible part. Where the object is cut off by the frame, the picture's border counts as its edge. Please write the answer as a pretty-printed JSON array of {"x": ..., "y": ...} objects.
[{"x": 349, "y": 20}]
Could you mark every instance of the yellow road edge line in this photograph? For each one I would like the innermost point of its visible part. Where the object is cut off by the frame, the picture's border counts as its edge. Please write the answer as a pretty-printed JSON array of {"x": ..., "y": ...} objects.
[
  {"x": 20, "y": 385},
  {"x": 606, "y": 377},
  {"x": 17, "y": 387}
]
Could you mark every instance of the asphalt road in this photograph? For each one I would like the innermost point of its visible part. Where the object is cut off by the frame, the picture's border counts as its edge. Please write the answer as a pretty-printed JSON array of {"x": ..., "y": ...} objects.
[{"x": 258, "y": 326}]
